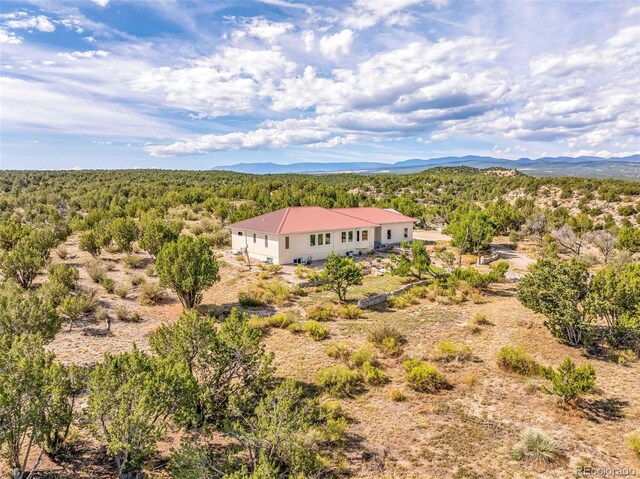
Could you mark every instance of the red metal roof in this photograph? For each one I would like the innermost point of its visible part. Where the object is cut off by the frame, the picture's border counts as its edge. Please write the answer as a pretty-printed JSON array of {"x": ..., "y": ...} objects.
[
  {"x": 378, "y": 216},
  {"x": 303, "y": 219}
]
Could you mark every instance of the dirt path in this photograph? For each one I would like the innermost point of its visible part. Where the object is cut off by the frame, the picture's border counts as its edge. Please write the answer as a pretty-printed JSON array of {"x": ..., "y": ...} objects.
[{"x": 517, "y": 259}]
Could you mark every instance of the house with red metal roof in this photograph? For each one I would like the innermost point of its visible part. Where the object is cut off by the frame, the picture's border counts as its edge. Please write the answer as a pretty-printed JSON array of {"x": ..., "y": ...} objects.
[{"x": 300, "y": 234}]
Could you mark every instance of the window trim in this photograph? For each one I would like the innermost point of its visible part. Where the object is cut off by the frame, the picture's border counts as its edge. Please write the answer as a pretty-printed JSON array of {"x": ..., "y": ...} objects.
[
  {"x": 365, "y": 235},
  {"x": 312, "y": 240},
  {"x": 266, "y": 241},
  {"x": 327, "y": 238},
  {"x": 286, "y": 242},
  {"x": 406, "y": 232},
  {"x": 350, "y": 236},
  {"x": 343, "y": 237},
  {"x": 388, "y": 234}
]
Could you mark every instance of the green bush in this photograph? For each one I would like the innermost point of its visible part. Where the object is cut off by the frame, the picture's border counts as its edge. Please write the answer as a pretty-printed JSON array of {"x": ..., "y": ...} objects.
[
  {"x": 137, "y": 280},
  {"x": 569, "y": 381},
  {"x": 350, "y": 311},
  {"x": 95, "y": 270},
  {"x": 409, "y": 364},
  {"x": 339, "y": 350},
  {"x": 251, "y": 298},
  {"x": 387, "y": 339},
  {"x": 426, "y": 378},
  {"x": 634, "y": 442},
  {"x": 280, "y": 320},
  {"x": 320, "y": 313},
  {"x": 396, "y": 395},
  {"x": 132, "y": 261},
  {"x": 536, "y": 446},
  {"x": 340, "y": 380},
  {"x": 315, "y": 330},
  {"x": 373, "y": 375},
  {"x": 447, "y": 351},
  {"x": 480, "y": 319},
  {"x": 151, "y": 294},
  {"x": 362, "y": 356},
  {"x": 516, "y": 360},
  {"x": 108, "y": 284}
]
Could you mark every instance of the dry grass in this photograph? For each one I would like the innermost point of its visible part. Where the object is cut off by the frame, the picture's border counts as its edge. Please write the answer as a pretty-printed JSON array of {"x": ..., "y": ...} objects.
[{"x": 393, "y": 430}]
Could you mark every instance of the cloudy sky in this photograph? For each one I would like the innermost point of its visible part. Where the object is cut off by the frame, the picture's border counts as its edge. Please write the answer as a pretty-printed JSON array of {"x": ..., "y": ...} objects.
[{"x": 179, "y": 84}]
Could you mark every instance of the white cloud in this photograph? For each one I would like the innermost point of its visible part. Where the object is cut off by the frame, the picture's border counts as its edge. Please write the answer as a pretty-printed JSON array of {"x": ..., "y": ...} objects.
[
  {"x": 38, "y": 22},
  {"x": 9, "y": 38},
  {"x": 101, "y": 3},
  {"x": 34, "y": 105},
  {"x": 252, "y": 140},
  {"x": 367, "y": 13},
  {"x": 335, "y": 46},
  {"x": 85, "y": 54},
  {"x": 229, "y": 82},
  {"x": 261, "y": 28}
]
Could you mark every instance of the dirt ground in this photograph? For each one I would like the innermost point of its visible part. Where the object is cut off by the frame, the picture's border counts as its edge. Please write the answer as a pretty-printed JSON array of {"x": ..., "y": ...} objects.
[{"x": 465, "y": 432}]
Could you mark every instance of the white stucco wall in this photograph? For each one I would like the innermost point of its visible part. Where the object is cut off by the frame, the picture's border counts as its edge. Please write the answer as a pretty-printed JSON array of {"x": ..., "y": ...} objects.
[
  {"x": 397, "y": 233},
  {"x": 257, "y": 249},
  {"x": 299, "y": 243}
]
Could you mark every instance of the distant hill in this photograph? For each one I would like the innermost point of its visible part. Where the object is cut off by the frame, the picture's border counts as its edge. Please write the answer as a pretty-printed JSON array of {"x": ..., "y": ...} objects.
[{"x": 583, "y": 166}]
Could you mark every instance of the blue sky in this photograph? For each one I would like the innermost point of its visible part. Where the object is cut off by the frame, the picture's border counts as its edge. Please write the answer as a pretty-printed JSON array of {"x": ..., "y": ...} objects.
[{"x": 180, "y": 84}]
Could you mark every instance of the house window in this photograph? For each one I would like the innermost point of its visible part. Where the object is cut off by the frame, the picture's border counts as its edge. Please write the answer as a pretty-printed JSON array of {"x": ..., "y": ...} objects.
[
  {"x": 406, "y": 232},
  {"x": 320, "y": 239},
  {"x": 286, "y": 242},
  {"x": 327, "y": 238},
  {"x": 388, "y": 234},
  {"x": 312, "y": 240},
  {"x": 344, "y": 236},
  {"x": 239, "y": 233},
  {"x": 266, "y": 241},
  {"x": 350, "y": 236},
  {"x": 358, "y": 235},
  {"x": 365, "y": 235},
  {"x": 255, "y": 237}
]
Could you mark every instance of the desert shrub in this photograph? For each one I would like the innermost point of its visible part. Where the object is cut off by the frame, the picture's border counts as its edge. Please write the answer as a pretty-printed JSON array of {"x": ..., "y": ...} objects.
[
  {"x": 319, "y": 313},
  {"x": 108, "y": 284},
  {"x": 62, "y": 251},
  {"x": 409, "y": 364},
  {"x": 634, "y": 442},
  {"x": 373, "y": 375},
  {"x": 137, "y": 280},
  {"x": 472, "y": 327},
  {"x": 447, "y": 351},
  {"x": 426, "y": 378},
  {"x": 339, "y": 350},
  {"x": 480, "y": 319},
  {"x": 151, "y": 270},
  {"x": 280, "y": 320},
  {"x": 516, "y": 360},
  {"x": 121, "y": 290},
  {"x": 350, "y": 311},
  {"x": 362, "y": 356},
  {"x": 151, "y": 294},
  {"x": 64, "y": 275},
  {"x": 109, "y": 265},
  {"x": 477, "y": 298},
  {"x": 315, "y": 330},
  {"x": 101, "y": 314},
  {"x": 95, "y": 270},
  {"x": 132, "y": 261},
  {"x": 399, "y": 301},
  {"x": 536, "y": 446},
  {"x": 340, "y": 380},
  {"x": 418, "y": 291},
  {"x": 569, "y": 381},
  {"x": 396, "y": 395},
  {"x": 122, "y": 313},
  {"x": 263, "y": 275},
  {"x": 387, "y": 339},
  {"x": 275, "y": 292},
  {"x": 250, "y": 297}
]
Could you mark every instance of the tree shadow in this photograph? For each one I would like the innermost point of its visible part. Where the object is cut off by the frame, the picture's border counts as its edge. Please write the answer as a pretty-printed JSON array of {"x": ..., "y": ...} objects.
[{"x": 609, "y": 409}]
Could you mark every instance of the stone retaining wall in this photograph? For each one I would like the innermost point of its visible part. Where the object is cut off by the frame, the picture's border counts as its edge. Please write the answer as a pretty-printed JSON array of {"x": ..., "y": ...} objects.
[{"x": 381, "y": 298}]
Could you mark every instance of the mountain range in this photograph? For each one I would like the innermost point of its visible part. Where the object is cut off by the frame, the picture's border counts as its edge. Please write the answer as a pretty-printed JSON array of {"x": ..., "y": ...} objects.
[{"x": 627, "y": 167}]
